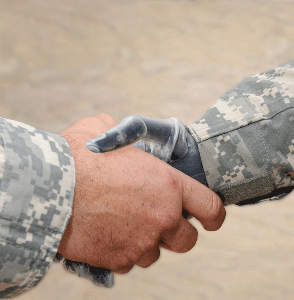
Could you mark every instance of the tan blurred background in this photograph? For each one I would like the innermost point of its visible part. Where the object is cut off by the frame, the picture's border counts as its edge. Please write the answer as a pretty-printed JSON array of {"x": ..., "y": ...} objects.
[{"x": 65, "y": 60}]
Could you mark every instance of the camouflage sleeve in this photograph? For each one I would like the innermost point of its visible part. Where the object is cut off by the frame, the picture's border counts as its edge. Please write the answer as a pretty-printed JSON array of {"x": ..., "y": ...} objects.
[
  {"x": 246, "y": 139},
  {"x": 37, "y": 181}
]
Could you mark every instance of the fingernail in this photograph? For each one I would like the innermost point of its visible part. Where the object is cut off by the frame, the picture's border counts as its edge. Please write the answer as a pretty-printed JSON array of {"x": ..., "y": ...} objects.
[{"x": 92, "y": 147}]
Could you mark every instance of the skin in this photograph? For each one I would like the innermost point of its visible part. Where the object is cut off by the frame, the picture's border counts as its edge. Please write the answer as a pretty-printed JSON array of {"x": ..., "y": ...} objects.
[{"x": 128, "y": 203}]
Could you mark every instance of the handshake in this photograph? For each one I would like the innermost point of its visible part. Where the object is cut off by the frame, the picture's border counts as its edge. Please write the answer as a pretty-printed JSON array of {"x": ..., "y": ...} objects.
[{"x": 127, "y": 203}]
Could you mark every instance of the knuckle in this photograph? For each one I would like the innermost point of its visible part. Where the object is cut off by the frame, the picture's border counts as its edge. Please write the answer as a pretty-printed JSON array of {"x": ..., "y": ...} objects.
[
  {"x": 132, "y": 119},
  {"x": 122, "y": 263},
  {"x": 108, "y": 119},
  {"x": 84, "y": 125},
  {"x": 170, "y": 219},
  {"x": 136, "y": 252},
  {"x": 105, "y": 115},
  {"x": 85, "y": 121},
  {"x": 146, "y": 244},
  {"x": 149, "y": 258},
  {"x": 135, "y": 256}
]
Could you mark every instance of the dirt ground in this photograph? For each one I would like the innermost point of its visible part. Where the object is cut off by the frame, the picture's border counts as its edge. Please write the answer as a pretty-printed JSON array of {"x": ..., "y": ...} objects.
[{"x": 64, "y": 60}]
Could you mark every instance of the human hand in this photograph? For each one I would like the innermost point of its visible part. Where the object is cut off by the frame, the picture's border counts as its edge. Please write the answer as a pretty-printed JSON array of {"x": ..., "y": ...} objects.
[
  {"x": 127, "y": 204},
  {"x": 167, "y": 139}
]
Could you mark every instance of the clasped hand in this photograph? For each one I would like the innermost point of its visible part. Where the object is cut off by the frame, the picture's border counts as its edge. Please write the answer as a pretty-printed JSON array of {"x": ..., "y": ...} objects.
[{"x": 128, "y": 204}]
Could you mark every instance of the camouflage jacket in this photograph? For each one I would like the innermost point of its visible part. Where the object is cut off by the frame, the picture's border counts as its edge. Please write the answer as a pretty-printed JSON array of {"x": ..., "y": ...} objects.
[
  {"x": 37, "y": 181},
  {"x": 245, "y": 140}
]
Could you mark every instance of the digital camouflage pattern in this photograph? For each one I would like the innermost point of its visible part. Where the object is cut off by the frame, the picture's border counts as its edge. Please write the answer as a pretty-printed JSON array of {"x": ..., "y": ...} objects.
[
  {"x": 246, "y": 139},
  {"x": 246, "y": 143},
  {"x": 37, "y": 180}
]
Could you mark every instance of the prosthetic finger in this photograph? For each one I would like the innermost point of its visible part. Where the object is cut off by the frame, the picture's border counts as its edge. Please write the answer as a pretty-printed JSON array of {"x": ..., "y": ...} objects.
[{"x": 158, "y": 137}]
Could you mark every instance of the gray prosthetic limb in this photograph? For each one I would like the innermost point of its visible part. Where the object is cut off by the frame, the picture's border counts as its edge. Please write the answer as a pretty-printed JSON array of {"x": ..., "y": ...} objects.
[{"x": 167, "y": 139}]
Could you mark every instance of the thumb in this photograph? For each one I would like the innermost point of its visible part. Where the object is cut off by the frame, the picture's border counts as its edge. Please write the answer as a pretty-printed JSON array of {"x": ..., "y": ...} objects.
[{"x": 202, "y": 203}]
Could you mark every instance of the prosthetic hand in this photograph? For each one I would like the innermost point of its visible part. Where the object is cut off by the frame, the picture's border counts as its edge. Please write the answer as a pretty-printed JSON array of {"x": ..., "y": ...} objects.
[{"x": 169, "y": 140}]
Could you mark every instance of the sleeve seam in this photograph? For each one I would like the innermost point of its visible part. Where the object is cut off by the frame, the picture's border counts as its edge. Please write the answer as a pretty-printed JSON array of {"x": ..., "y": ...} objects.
[
  {"x": 48, "y": 228},
  {"x": 19, "y": 246},
  {"x": 270, "y": 169}
]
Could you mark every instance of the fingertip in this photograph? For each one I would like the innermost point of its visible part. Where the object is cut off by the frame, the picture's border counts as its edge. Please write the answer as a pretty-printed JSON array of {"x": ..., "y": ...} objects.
[
  {"x": 211, "y": 227},
  {"x": 217, "y": 224}
]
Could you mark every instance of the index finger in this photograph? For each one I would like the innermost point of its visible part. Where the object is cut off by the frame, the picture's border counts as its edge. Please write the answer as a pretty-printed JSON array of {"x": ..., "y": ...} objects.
[
  {"x": 159, "y": 137},
  {"x": 130, "y": 130},
  {"x": 203, "y": 204}
]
